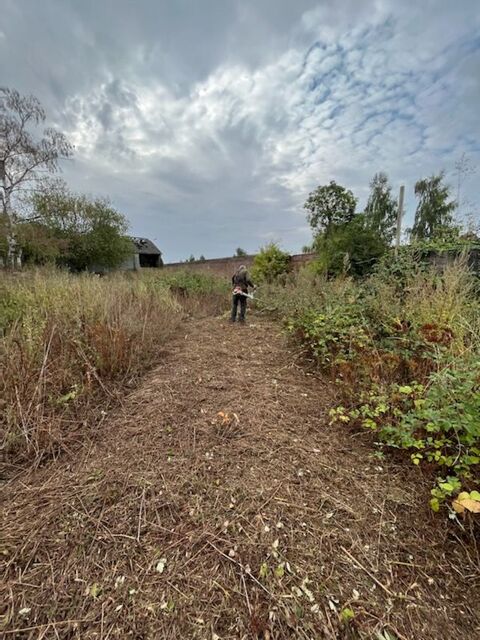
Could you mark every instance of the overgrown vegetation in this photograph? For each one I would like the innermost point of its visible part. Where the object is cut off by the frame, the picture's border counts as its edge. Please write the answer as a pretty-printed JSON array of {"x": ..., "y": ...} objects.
[
  {"x": 41, "y": 220},
  {"x": 73, "y": 231},
  {"x": 403, "y": 346},
  {"x": 69, "y": 343},
  {"x": 270, "y": 263}
]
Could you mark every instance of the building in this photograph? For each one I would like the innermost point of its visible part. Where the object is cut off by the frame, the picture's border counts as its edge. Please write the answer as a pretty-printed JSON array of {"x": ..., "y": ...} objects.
[{"x": 144, "y": 255}]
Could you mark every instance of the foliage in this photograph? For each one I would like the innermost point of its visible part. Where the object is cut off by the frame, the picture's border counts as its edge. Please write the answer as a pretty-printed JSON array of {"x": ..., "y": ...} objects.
[
  {"x": 447, "y": 239},
  {"x": 39, "y": 245},
  {"x": 328, "y": 206},
  {"x": 351, "y": 248},
  {"x": 4, "y": 232},
  {"x": 403, "y": 346},
  {"x": 240, "y": 253},
  {"x": 23, "y": 156},
  {"x": 381, "y": 209},
  {"x": 437, "y": 422},
  {"x": 199, "y": 293},
  {"x": 270, "y": 263},
  {"x": 434, "y": 210},
  {"x": 79, "y": 232}
]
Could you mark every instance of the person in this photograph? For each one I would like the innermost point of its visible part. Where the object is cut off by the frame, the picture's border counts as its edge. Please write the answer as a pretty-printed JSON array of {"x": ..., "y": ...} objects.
[{"x": 240, "y": 282}]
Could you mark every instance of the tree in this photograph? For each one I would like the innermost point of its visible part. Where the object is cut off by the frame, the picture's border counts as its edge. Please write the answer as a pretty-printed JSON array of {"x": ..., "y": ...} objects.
[
  {"x": 202, "y": 258},
  {"x": 352, "y": 248},
  {"x": 381, "y": 209},
  {"x": 240, "y": 253},
  {"x": 85, "y": 232},
  {"x": 191, "y": 258},
  {"x": 328, "y": 206},
  {"x": 24, "y": 158},
  {"x": 270, "y": 263},
  {"x": 434, "y": 210},
  {"x": 38, "y": 244}
]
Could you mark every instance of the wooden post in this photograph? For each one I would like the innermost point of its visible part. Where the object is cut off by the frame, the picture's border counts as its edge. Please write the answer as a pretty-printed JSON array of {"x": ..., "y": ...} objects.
[{"x": 399, "y": 218}]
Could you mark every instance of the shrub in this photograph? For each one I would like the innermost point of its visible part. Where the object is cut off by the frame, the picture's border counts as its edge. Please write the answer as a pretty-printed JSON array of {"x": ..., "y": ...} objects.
[
  {"x": 404, "y": 346},
  {"x": 270, "y": 263},
  {"x": 350, "y": 248},
  {"x": 437, "y": 422},
  {"x": 198, "y": 293}
]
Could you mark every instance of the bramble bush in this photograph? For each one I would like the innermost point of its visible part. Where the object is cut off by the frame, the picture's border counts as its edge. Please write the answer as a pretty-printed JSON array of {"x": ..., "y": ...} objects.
[{"x": 404, "y": 347}]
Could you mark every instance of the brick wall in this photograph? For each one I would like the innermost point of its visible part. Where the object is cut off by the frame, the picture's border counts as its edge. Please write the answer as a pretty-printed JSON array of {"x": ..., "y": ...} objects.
[{"x": 227, "y": 266}]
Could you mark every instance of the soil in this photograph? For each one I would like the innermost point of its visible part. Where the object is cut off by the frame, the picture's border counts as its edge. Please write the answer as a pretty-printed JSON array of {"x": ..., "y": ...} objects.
[{"x": 218, "y": 503}]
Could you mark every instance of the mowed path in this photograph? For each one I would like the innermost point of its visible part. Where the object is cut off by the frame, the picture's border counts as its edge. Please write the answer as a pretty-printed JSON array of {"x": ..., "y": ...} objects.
[{"x": 263, "y": 522}]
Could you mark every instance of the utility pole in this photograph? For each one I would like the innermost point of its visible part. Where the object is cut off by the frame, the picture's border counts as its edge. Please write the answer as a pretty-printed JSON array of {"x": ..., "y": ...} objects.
[{"x": 399, "y": 218}]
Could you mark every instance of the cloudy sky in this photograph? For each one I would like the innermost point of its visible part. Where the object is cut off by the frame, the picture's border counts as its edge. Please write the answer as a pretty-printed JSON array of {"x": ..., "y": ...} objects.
[{"x": 207, "y": 122}]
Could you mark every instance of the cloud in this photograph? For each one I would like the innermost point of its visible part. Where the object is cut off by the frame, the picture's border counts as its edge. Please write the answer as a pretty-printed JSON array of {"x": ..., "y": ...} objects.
[{"x": 208, "y": 127}]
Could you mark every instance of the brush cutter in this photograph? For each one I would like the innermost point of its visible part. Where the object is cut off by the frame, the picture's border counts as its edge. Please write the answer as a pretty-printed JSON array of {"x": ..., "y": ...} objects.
[{"x": 238, "y": 292}]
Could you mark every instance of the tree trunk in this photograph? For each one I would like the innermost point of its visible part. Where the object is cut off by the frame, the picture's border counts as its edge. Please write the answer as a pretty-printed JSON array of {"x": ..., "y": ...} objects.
[{"x": 13, "y": 258}]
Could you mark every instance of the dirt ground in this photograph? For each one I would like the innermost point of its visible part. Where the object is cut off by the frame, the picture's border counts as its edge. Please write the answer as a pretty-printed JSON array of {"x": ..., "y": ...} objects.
[{"x": 217, "y": 503}]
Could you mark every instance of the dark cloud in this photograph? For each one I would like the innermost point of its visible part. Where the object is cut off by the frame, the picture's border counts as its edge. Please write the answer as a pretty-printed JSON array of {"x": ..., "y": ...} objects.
[{"x": 208, "y": 122}]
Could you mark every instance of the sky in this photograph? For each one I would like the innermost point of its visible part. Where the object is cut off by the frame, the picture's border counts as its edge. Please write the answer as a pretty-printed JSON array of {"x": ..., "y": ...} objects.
[{"x": 208, "y": 122}]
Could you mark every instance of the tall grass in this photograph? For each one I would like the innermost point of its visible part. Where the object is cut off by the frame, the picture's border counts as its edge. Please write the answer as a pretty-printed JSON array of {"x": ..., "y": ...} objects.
[{"x": 69, "y": 343}]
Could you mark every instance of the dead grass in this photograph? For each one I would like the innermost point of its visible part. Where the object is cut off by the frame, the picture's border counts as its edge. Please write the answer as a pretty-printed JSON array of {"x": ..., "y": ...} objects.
[
  {"x": 259, "y": 522},
  {"x": 71, "y": 346}
]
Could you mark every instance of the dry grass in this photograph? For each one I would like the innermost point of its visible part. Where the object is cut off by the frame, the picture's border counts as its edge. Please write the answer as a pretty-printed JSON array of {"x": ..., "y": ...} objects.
[
  {"x": 71, "y": 345},
  {"x": 260, "y": 522}
]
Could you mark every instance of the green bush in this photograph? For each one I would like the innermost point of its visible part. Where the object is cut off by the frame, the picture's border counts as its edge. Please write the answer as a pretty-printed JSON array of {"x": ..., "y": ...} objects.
[
  {"x": 270, "y": 263},
  {"x": 190, "y": 282},
  {"x": 351, "y": 248}
]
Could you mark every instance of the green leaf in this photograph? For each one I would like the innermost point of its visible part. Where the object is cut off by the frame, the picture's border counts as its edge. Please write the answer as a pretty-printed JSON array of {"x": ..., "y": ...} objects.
[
  {"x": 95, "y": 590},
  {"x": 446, "y": 486},
  {"x": 280, "y": 571},
  {"x": 435, "y": 504},
  {"x": 263, "y": 570},
  {"x": 347, "y": 614},
  {"x": 407, "y": 390}
]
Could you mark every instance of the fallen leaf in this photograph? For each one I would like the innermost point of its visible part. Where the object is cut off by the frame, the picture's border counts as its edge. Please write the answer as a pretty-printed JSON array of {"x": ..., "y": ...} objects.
[
  {"x": 161, "y": 564},
  {"x": 465, "y": 501}
]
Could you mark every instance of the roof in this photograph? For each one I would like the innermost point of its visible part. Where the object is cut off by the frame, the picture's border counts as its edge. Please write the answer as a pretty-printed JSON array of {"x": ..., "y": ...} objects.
[{"x": 145, "y": 246}]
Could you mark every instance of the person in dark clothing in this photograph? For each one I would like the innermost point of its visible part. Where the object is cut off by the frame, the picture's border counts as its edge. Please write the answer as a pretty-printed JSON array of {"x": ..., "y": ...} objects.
[{"x": 240, "y": 282}]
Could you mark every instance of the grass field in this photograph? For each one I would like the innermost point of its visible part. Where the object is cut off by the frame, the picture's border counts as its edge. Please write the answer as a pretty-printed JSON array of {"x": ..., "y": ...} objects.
[
  {"x": 72, "y": 343},
  {"x": 172, "y": 475}
]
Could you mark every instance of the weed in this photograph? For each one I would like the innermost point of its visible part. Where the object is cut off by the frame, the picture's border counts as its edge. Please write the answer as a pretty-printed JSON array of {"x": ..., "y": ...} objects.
[{"x": 404, "y": 346}]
